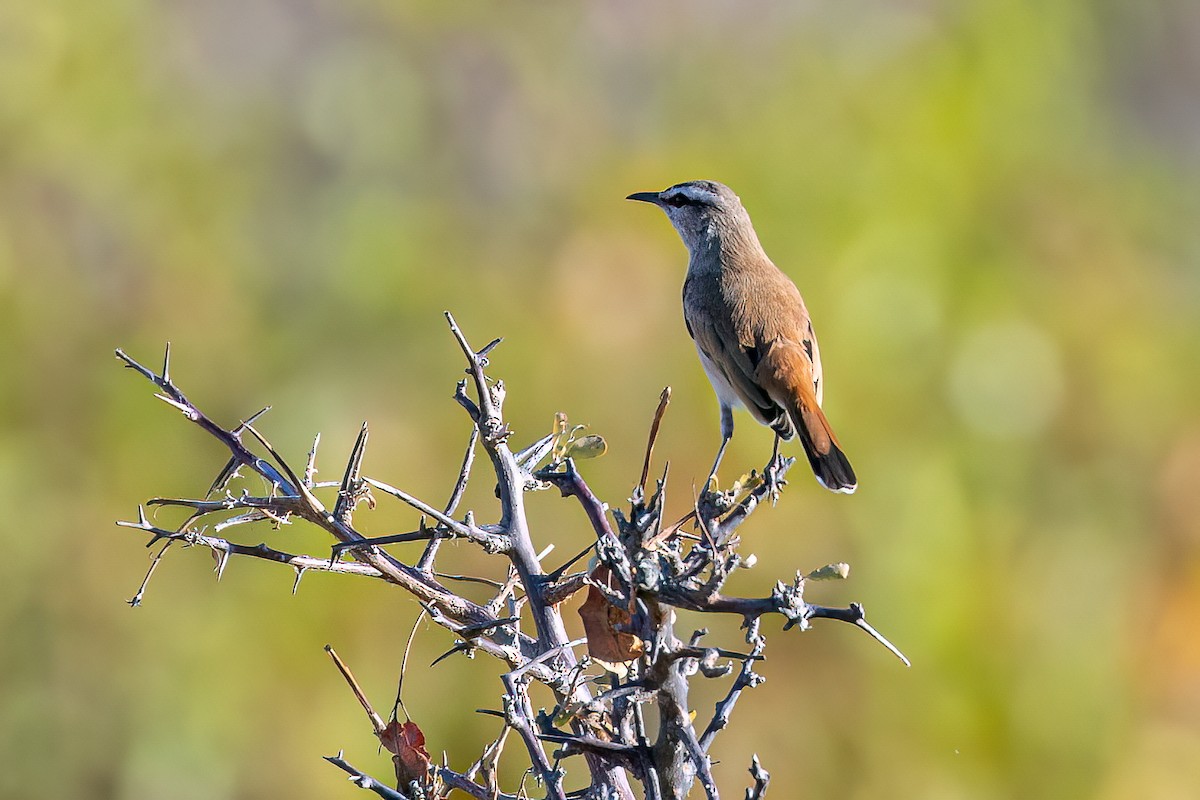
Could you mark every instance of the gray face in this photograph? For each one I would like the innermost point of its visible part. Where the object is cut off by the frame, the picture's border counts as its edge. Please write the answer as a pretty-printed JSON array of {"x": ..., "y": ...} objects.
[{"x": 694, "y": 208}]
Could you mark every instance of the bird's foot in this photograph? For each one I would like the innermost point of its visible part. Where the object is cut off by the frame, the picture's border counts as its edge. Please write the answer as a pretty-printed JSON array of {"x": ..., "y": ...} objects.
[
  {"x": 773, "y": 476},
  {"x": 713, "y": 504}
]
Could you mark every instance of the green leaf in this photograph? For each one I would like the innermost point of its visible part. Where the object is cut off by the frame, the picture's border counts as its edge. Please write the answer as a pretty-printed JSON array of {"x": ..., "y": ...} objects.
[
  {"x": 831, "y": 572},
  {"x": 591, "y": 446}
]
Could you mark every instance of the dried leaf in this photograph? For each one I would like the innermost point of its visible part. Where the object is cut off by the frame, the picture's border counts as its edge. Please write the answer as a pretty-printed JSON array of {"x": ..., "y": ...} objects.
[
  {"x": 602, "y": 622},
  {"x": 406, "y": 743}
]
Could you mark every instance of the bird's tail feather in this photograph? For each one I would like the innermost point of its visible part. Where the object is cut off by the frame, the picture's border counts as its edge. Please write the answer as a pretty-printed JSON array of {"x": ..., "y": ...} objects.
[
  {"x": 788, "y": 379},
  {"x": 829, "y": 463}
]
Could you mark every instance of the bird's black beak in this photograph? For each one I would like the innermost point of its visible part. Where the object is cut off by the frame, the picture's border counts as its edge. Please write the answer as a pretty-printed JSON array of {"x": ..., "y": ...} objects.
[{"x": 645, "y": 197}]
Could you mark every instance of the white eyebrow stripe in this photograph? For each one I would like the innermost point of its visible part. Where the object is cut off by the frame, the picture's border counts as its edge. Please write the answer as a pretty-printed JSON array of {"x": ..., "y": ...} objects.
[{"x": 692, "y": 192}]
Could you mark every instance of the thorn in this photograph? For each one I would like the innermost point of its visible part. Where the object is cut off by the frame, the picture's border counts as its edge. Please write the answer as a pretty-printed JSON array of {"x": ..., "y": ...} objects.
[
  {"x": 376, "y": 721},
  {"x": 487, "y": 348},
  {"x": 222, "y": 562},
  {"x": 223, "y": 478},
  {"x": 558, "y": 573},
  {"x": 877, "y": 636},
  {"x": 351, "y": 477},
  {"x": 531, "y": 456},
  {"x": 166, "y": 371},
  {"x": 248, "y": 422},
  {"x": 310, "y": 469},
  {"x": 461, "y": 647},
  {"x": 173, "y": 402}
]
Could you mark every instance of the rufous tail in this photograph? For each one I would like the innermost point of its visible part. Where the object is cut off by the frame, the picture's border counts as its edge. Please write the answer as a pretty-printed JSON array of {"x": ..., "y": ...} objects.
[
  {"x": 788, "y": 381},
  {"x": 829, "y": 463}
]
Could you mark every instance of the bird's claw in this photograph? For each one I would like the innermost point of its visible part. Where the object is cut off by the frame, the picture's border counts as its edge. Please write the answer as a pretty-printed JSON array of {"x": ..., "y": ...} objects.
[{"x": 773, "y": 476}]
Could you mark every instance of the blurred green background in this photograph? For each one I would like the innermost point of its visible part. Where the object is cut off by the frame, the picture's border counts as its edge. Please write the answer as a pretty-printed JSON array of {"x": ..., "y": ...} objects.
[{"x": 989, "y": 206}]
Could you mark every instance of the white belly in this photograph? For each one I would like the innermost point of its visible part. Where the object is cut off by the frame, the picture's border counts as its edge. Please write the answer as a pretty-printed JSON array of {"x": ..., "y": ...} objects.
[{"x": 725, "y": 394}]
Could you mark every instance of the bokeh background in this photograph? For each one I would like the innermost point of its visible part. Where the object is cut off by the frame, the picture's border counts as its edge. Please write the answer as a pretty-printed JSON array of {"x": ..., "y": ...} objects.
[{"x": 990, "y": 207}]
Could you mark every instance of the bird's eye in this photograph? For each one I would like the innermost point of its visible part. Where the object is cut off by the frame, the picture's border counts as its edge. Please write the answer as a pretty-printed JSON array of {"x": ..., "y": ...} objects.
[{"x": 675, "y": 200}]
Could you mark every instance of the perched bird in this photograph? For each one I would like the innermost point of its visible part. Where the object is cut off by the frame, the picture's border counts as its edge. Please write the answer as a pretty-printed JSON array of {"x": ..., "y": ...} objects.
[{"x": 750, "y": 326}]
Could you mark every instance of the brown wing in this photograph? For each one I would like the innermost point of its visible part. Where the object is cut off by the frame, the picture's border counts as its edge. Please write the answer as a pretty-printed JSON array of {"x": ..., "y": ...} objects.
[
  {"x": 732, "y": 348},
  {"x": 769, "y": 311},
  {"x": 814, "y": 355}
]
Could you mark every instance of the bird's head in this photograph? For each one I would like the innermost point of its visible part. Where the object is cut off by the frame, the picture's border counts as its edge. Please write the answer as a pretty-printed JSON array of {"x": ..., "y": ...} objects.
[{"x": 701, "y": 211}]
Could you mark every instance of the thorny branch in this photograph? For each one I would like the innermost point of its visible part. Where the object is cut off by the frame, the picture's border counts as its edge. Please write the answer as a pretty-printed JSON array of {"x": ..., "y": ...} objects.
[{"x": 645, "y": 569}]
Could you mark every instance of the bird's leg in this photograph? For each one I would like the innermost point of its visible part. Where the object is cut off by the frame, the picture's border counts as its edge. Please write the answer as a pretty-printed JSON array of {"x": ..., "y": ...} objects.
[
  {"x": 774, "y": 482},
  {"x": 712, "y": 476},
  {"x": 726, "y": 435}
]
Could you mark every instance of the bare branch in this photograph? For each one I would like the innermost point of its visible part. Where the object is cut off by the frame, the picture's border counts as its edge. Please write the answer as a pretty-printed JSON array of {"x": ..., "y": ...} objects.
[
  {"x": 746, "y": 679},
  {"x": 176, "y": 398},
  {"x": 136, "y": 600},
  {"x": 645, "y": 573},
  {"x": 351, "y": 489},
  {"x": 364, "y": 781},
  {"x": 464, "y": 784},
  {"x": 491, "y": 542},
  {"x": 420, "y": 535},
  {"x": 224, "y": 548},
  {"x": 663, "y": 400},
  {"x": 278, "y": 503},
  {"x": 489, "y": 417},
  {"x": 464, "y": 473},
  {"x": 518, "y": 715},
  {"x": 564, "y": 587},
  {"x": 730, "y": 522},
  {"x": 857, "y": 616},
  {"x": 295, "y": 485},
  {"x": 425, "y": 562},
  {"x": 227, "y": 474},
  {"x": 761, "y": 779},
  {"x": 376, "y": 721},
  {"x": 571, "y": 484},
  {"x": 310, "y": 467},
  {"x": 412, "y": 634}
]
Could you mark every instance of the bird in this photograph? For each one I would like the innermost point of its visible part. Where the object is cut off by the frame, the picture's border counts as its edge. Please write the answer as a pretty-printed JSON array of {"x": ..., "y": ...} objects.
[{"x": 751, "y": 327}]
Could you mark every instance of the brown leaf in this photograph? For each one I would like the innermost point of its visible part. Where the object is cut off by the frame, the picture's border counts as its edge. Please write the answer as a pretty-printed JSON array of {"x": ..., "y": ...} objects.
[
  {"x": 406, "y": 742},
  {"x": 602, "y": 622}
]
